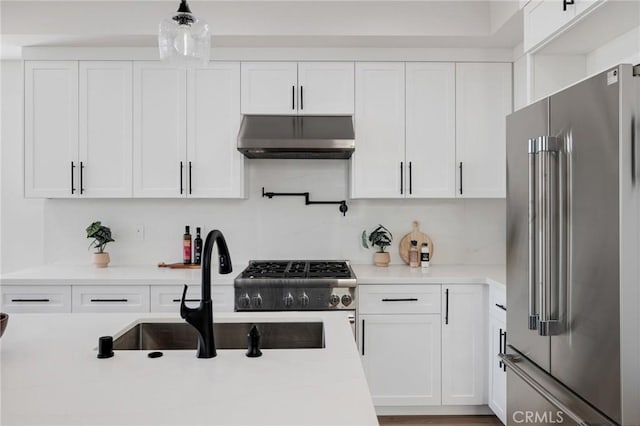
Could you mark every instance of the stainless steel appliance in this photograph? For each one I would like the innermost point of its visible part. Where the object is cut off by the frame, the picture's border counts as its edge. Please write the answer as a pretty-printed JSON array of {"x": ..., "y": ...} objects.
[
  {"x": 573, "y": 238},
  {"x": 292, "y": 136}
]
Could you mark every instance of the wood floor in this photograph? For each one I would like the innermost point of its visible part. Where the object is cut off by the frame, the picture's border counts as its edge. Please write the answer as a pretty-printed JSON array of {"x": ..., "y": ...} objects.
[{"x": 438, "y": 420}]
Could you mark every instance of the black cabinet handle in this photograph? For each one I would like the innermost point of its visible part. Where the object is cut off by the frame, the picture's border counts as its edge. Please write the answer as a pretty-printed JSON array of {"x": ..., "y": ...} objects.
[
  {"x": 293, "y": 97},
  {"x": 186, "y": 300},
  {"x": 31, "y": 300},
  {"x": 446, "y": 311},
  {"x": 565, "y": 3},
  {"x": 362, "y": 337},
  {"x": 412, "y": 299},
  {"x": 108, "y": 300},
  {"x": 504, "y": 308},
  {"x": 73, "y": 169},
  {"x": 81, "y": 178},
  {"x": 504, "y": 346},
  {"x": 190, "y": 180},
  {"x": 500, "y": 351},
  {"x": 401, "y": 177},
  {"x": 181, "y": 169},
  {"x": 410, "y": 180},
  {"x": 460, "y": 177},
  {"x": 301, "y": 97}
]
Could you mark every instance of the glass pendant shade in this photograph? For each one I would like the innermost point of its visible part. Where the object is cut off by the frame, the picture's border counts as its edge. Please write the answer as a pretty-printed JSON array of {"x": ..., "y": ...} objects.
[{"x": 184, "y": 39}]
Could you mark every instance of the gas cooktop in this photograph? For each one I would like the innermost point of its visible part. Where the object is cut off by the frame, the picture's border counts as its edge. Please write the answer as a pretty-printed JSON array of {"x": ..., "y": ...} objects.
[{"x": 286, "y": 269}]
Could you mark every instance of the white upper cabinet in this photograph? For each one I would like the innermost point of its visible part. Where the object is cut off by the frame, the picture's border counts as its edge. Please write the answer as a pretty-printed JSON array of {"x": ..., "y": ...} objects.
[
  {"x": 215, "y": 168},
  {"x": 51, "y": 129},
  {"x": 325, "y": 88},
  {"x": 105, "y": 149},
  {"x": 463, "y": 345},
  {"x": 430, "y": 130},
  {"x": 377, "y": 165},
  {"x": 290, "y": 88},
  {"x": 483, "y": 100},
  {"x": 159, "y": 130},
  {"x": 269, "y": 88}
]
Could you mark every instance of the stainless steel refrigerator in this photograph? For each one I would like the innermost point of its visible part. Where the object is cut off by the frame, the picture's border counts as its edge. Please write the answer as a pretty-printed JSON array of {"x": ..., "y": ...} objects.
[{"x": 573, "y": 255}]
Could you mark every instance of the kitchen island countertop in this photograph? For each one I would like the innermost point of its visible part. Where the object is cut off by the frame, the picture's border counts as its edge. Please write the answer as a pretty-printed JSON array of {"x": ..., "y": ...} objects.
[{"x": 51, "y": 376}]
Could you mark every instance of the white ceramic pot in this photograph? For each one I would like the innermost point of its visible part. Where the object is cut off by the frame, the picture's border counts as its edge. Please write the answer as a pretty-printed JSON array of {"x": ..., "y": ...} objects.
[
  {"x": 381, "y": 259},
  {"x": 101, "y": 260}
]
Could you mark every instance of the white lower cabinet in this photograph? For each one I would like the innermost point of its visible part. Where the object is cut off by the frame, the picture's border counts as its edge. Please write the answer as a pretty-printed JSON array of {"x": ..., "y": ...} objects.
[
  {"x": 497, "y": 370},
  {"x": 166, "y": 298},
  {"x": 37, "y": 298},
  {"x": 463, "y": 344},
  {"x": 401, "y": 358},
  {"x": 110, "y": 298}
]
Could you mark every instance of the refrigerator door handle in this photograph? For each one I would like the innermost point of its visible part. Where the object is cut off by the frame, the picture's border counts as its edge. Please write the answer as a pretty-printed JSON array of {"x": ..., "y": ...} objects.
[
  {"x": 533, "y": 314},
  {"x": 551, "y": 390}
]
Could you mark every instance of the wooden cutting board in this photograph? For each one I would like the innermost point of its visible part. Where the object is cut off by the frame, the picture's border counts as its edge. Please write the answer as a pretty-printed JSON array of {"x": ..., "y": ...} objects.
[
  {"x": 420, "y": 237},
  {"x": 178, "y": 265}
]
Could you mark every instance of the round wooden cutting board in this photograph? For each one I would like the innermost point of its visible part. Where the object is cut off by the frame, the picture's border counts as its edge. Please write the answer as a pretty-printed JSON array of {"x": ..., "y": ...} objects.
[{"x": 420, "y": 237}]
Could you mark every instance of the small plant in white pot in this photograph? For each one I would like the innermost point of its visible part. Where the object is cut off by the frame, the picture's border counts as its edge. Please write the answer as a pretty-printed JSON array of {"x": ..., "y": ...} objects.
[
  {"x": 380, "y": 237},
  {"x": 101, "y": 236}
]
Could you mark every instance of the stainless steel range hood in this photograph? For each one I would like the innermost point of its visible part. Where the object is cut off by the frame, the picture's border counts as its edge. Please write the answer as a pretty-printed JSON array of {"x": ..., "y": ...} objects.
[{"x": 287, "y": 136}]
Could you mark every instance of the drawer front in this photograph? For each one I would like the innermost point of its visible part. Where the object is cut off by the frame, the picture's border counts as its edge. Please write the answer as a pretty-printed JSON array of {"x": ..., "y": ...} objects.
[
  {"x": 166, "y": 298},
  {"x": 116, "y": 298},
  {"x": 34, "y": 299},
  {"x": 498, "y": 303},
  {"x": 399, "y": 299}
]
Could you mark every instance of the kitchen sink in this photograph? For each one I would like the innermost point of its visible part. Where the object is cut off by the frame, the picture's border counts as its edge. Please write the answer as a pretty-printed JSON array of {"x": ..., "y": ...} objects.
[{"x": 145, "y": 336}]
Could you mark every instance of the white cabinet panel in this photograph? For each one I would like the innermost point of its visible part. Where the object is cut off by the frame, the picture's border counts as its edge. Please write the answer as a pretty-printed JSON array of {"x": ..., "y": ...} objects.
[
  {"x": 399, "y": 299},
  {"x": 497, "y": 373},
  {"x": 483, "y": 100},
  {"x": 36, "y": 299},
  {"x": 542, "y": 19},
  {"x": 430, "y": 130},
  {"x": 463, "y": 345},
  {"x": 325, "y": 88},
  {"x": 269, "y": 87},
  {"x": 159, "y": 125},
  {"x": 377, "y": 165},
  {"x": 105, "y": 145},
  {"x": 215, "y": 168},
  {"x": 110, "y": 298},
  {"x": 167, "y": 298},
  {"x": 401, "y": 358},
  {"x": 51, "y": 128}
]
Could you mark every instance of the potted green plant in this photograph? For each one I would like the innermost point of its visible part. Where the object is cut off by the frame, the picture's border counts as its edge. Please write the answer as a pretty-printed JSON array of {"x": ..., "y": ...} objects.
[
  {"x": 380, "y": 237},
  {"x": 101, "y": 236}
]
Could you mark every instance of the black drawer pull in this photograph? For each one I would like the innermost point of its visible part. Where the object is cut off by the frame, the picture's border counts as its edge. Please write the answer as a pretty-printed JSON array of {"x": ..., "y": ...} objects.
[
  {"x": 31, "y": 300},
  {"x": 504, "y": 308},
  {"x": 411, "y": 299},
  {"x": 109, "y": 300},
  {"x": 186, "y": 300}
]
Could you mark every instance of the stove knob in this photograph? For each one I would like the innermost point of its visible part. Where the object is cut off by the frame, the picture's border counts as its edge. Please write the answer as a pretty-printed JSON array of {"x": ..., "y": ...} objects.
[
  {"x": 257, "y": 301},
  {"x": 288, "y": 300},
  {"x": 244, "y": 301},
  {"x": 304, "y": 300},
  {"x": 334, "y": 299},
  {"x": 346, "y": 299}
]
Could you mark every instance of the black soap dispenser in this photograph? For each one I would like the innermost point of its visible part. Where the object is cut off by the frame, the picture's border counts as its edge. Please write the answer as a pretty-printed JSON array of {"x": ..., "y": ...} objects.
[{"x": 253, "y": 339}]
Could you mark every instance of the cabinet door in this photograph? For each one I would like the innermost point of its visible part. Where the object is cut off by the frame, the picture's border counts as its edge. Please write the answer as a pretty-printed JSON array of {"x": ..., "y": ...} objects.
[
  {"x": 36, "y": 298},
  {"x": 463, "y": 345},
  {"x": 377, "y": 165},
  {"x": 105, "y": 129},
  {"x": 401, "y": 358},
  {"x": 430, "y": 127},
  {"x": 325, "y": 88},
  {"x": 269, "y": 88},
  {"x": 497, "y": 373},
  {"x": 111, "y": 298},
  {"x": 483, "y": 100},
  {"x": 215, "y": 168},
  {"x": 159, "y": 130},
  {"x": 166, "y": 298},
  {"x": 542, "y": 19},
  {"x": 51, "y": 129}
]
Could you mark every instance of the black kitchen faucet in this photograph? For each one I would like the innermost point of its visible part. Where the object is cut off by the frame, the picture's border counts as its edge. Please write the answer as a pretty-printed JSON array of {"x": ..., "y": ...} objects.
[{"x": 202, "y": 317}]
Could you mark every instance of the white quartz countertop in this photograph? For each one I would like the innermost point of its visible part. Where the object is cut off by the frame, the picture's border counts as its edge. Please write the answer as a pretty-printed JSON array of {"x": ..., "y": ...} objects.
[
  {"x": 435, "y": 274},
  {"x": 51, "y": 376}
]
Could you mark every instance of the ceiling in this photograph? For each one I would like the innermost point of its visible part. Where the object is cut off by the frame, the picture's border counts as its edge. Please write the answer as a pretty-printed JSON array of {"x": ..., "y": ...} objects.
[{"x": 265, "y": 23}]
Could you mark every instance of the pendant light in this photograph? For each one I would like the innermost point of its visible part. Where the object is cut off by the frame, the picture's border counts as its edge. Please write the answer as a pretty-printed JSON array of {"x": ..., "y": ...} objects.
[{"x": 184, "y": 39}]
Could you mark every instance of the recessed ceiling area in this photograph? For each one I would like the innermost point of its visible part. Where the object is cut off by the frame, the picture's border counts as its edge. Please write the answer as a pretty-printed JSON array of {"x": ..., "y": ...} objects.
[{"x": 388, "y": 24}]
